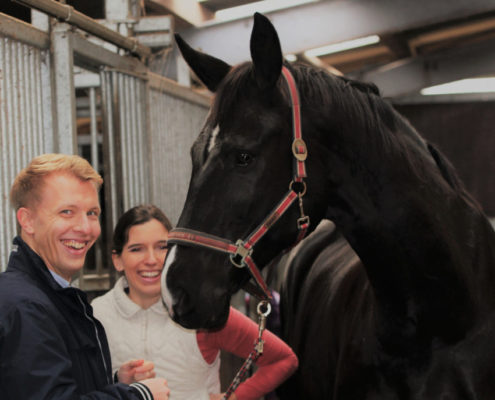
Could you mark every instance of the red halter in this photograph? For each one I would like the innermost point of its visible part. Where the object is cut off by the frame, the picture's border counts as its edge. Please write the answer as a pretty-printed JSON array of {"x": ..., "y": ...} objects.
[{"x": 241, "y": 251}]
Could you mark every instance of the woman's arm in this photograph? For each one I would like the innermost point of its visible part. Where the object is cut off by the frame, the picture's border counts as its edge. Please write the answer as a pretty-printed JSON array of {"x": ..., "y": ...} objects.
[{"x": 275, "y": 365}]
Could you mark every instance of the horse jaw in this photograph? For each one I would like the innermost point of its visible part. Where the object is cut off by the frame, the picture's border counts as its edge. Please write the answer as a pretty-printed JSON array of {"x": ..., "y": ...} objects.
[{"x": 178, "y": 302}]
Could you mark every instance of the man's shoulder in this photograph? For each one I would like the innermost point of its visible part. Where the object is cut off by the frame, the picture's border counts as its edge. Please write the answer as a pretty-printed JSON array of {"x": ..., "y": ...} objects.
[{"x": 18, "y": 290}]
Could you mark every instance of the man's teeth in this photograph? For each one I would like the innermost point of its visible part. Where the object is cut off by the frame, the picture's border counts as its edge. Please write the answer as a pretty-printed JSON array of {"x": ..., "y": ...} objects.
[
  {"x": 74, "y": 244},
  {"x": 151, "y": 274}
]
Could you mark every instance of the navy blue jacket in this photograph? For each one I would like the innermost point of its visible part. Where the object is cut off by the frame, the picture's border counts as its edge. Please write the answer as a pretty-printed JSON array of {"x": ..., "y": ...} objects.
[{"x": 51, "y": 346}]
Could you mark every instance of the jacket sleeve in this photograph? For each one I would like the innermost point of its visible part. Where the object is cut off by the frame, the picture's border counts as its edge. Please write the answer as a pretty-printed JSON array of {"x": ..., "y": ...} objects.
[
  {"x": 35, "y": 364},
  {"x": 275, "y": 365}
]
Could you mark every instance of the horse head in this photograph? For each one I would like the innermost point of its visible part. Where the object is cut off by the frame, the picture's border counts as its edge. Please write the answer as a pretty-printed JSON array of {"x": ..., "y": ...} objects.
[{"x": 242, "y": 167}]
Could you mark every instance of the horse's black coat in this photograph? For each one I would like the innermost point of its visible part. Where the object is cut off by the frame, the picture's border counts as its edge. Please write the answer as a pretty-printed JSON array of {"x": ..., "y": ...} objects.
[{"x": 398, "y": 303}]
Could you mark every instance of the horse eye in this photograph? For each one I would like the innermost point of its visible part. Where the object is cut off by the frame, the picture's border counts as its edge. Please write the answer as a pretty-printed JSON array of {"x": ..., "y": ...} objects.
[{"x": 243, "y": 159}]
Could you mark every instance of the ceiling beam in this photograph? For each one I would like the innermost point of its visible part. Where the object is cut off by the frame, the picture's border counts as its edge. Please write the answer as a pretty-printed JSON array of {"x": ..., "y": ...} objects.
[
  {"x": 410, "y": 76},
  {"x": 189, "y": 11},
  {"x": 317, "y": 24}
]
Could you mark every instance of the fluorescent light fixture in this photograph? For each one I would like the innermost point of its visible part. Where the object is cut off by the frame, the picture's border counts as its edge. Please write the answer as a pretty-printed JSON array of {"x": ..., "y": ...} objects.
[
  {"x": 472, "y": 85},
  {"x": 342, "y": 46},
  {"x": 247, "y": 10},
  {"x": 290, "y": 57}
]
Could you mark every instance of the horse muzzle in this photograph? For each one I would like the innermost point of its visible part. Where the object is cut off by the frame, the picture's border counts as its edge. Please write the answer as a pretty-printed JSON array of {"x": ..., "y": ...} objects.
[{"x": 186, "y": 306}]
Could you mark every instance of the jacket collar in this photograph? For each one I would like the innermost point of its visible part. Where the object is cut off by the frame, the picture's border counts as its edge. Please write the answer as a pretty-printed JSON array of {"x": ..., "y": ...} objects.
[{"x": 23, "y": 258}]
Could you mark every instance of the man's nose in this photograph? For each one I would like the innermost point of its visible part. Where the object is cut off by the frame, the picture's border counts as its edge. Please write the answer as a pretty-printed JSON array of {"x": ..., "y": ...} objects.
[{"x": 83, "y": 224}]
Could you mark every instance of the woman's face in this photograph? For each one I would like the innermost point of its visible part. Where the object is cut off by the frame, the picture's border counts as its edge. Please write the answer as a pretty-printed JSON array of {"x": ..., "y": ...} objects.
[{"x": 142, "y": 261}]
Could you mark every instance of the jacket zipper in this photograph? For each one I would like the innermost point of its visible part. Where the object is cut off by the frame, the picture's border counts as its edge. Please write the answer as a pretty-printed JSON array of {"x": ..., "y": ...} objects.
[{"x": 97, "y": 337}]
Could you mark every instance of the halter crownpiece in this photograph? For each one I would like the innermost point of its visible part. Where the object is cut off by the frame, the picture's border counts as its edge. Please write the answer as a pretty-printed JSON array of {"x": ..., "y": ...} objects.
[{"x": 241, "y": 251}]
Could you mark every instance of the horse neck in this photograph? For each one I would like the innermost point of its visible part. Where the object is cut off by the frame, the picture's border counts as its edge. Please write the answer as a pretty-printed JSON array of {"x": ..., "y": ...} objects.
[{"x": 416, "y": 235}]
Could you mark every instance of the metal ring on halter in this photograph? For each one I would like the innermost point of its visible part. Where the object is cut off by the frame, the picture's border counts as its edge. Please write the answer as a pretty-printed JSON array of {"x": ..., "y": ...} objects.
[
  {"x": 268, "y": 308},
  {"x": 300, "y": 194}
]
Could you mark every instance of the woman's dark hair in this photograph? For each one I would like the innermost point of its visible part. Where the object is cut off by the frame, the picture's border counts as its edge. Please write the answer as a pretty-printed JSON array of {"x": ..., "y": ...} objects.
[{"x": 136, "y": 216}]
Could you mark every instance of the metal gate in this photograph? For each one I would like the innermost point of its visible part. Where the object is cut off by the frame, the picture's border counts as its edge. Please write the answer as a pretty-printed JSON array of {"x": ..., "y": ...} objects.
[{"x": 133, "y": 126}]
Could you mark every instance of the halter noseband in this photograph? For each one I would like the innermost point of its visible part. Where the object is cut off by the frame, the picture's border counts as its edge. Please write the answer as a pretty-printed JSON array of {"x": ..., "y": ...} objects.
[{"x": 241, "y": 251}]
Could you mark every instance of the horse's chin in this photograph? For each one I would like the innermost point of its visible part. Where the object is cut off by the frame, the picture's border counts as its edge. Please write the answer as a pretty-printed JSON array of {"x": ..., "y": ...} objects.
[{"x": 197, "y": 321}]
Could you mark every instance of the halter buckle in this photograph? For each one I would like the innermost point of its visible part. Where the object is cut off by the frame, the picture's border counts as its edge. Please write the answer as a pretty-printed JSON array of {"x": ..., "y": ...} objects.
[
  {"x": 299, "y": 149},
  {"x": 239, "y": 257}
]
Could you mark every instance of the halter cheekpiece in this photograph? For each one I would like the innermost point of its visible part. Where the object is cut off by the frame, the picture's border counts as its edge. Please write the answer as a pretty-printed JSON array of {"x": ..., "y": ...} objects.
[{"x": 241, "y": 251}]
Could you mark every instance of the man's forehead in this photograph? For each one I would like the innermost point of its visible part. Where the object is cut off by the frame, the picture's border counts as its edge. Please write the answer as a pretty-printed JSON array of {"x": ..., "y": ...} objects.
[{"x": 68, "y": 189}]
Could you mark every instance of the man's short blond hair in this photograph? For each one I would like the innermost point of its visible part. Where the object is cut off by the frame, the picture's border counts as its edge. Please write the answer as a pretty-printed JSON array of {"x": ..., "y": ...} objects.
[{"x": 27, "y": 184}]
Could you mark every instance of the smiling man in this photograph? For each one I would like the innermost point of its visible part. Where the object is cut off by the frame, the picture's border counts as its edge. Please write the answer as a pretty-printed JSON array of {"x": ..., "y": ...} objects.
[{"x": 51, "y": 346}]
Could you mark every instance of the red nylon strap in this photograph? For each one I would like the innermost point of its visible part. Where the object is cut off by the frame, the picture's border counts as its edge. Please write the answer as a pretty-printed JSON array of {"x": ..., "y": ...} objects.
[
  {"x": 298, "y": 146},
  {"x": 189, "y": 237},
  {"x": 256, "y": 274},
  {"x": 303, "y": 228},
  {"x": 194, "y": 238},
  {"x": 273, "y": 217}
]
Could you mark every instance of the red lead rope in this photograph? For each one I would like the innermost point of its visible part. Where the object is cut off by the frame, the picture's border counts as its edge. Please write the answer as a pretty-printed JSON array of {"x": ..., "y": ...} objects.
[{"x": 240, "y": 252}]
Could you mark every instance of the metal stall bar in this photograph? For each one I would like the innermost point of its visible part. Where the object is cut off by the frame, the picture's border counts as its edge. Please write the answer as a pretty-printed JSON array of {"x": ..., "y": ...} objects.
[
  {"x": 65, "y": 100},
  {"x": 68, "y": 14},
  {"x": 134, "y": 161},
  {"x": 93, "y": 128}
]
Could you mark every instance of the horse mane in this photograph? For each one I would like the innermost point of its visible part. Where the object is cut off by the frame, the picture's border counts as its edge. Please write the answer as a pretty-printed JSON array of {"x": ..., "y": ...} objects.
[{"x": 386, "y": 129}]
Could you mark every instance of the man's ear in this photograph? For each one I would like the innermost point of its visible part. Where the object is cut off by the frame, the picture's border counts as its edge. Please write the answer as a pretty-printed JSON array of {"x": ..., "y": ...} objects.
[
  {"x": 117, "y": 262},
  {"x": 25, "y": 219}
]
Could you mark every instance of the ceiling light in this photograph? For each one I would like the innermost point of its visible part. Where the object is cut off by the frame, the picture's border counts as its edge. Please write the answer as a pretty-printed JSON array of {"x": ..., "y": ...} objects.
[
  {"x": 472, "y": 85},
  {"x": 342, "y": 46}
]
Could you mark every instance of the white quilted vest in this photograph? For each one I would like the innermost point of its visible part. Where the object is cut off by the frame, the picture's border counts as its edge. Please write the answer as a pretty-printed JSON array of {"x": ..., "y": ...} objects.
[{"x": 151, "y": 334}]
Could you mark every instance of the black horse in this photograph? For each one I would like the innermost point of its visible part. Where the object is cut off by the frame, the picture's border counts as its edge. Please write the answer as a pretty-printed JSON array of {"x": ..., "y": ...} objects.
[{"x": 399, "y": 301}]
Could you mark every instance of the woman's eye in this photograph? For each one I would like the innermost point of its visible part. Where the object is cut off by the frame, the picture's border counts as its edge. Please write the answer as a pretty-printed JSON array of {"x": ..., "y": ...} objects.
[{"x": 243, "y": 159}]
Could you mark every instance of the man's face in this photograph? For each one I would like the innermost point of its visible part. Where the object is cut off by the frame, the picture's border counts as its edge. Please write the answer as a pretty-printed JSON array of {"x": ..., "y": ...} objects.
[{"x": 64, "y": 224}]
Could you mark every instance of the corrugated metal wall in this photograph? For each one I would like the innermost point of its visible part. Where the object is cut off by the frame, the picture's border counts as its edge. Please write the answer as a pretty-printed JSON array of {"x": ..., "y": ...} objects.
[
  {"x": 176, "y": 118},
  {"x": 125, "y": 105},
  {"x": 25, "y": 117}
]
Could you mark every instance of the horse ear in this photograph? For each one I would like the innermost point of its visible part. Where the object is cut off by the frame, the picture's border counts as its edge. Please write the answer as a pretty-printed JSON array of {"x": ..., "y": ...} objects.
[
  {"x": 210, "y": 70},
  {"x": 266, "y": 52}
]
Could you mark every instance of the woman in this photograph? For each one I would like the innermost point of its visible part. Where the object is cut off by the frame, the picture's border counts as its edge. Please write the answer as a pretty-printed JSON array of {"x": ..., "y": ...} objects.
[{"x": 138, "y": 325}]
